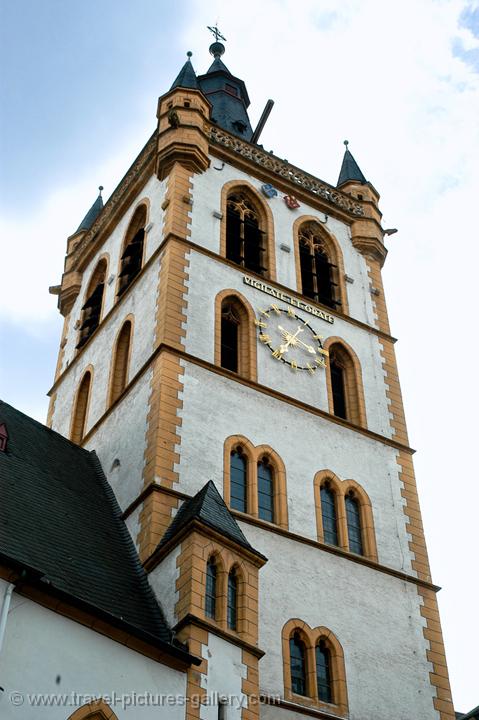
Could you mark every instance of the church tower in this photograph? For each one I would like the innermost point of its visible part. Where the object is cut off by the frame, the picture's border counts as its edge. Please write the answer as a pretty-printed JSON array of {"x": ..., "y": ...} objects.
[{"x": 227, "y": 353}]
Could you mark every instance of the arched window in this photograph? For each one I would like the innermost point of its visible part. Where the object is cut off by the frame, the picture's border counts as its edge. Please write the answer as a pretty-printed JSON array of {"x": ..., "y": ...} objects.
[
  {"x": 91, "y": 310},
  {"x": 353, "y": 518},
  {"x": 245, "y": 244},
  {"x": 338, "y": 387},
  {"x": 346, "y": 399},
  {"x": 328, "y": 513},
  {"x": 232, "y": 605},
  {"x": 230, "y": 336},
  {"x": 265, "y": 491},
  {"x": 81, "y": 408},
  {"x": 132, "y": 256},
  {"x": 297, "y": 652},
  {"x": 211, "y": 581},
  {"x": 318, "y": 273},
  {"x": 323, "y": 672},
  {"x": 121, "y": 353},
  {"x": 238, "y": 480}
]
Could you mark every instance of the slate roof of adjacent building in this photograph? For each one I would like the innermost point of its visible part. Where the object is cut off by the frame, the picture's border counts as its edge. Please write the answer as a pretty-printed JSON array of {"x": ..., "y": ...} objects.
[
  {"x": 209, "y": 508},
  {"x": 186, "y": 78},
  {"x": 350, "y": 170},
  {"x": 60, "y": 521},
  {"x": 471, "y": 715},
  {"x": 92, "y": 214}
]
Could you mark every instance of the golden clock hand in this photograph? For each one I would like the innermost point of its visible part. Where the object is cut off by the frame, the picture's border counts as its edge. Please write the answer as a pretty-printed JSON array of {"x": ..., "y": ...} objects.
[
  {"x": 309, "y": 348},
  {"x": 290, "y": 339}
]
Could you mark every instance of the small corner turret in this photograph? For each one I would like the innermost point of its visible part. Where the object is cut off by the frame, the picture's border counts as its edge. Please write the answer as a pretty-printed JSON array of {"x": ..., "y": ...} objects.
[{"x": 366, "y": 233}]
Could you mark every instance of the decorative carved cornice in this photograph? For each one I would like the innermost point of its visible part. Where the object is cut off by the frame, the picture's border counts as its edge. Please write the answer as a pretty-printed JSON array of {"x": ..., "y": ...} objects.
[
  {"x": 284, "y": 170},
  {"x": 122, "y": 189}
]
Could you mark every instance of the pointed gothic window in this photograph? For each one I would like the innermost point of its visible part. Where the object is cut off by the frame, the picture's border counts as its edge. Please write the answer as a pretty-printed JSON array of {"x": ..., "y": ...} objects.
[
  {"x": 119, "y": 376},
  {"x": 81, "y": 409},
  {"x": 238, "y": 480},
  {"x": 318, "y": 273},
  {"x": 297, "y": 651},
  {"x": 353, "y": 517},
  {"x": 91, "y": 310},
  {"x": 132, "y": 255},
  {"x": 210, "y": 597},
  {"x": 232, "y": 608},
  {"x": 230, "y": 331},
  {"x": 323, "y": 672},
  {"x": 245, "y": 243},
  {"x": 338, "y": 388},
  {"x": 265, "y": 491},
  {"x": 328, "y": 512}
]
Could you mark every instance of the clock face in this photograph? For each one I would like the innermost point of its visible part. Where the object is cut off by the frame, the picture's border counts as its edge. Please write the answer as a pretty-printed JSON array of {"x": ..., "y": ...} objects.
[{"x": 291, "y": 339}]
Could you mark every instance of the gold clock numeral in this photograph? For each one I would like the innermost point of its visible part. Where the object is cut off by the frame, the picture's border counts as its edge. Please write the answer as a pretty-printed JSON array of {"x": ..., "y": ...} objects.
[
  {"x": 320, "y": 362},
  {"x": 260, "y": 324},
  {"x": 264, "y": 312},
  {"x": 294, "y": 365},
  {"x": 291, "y": 312},
  {"x": 276, "y": 309},
  {"x": 265, "y": 338},
  {"x": 323, "y": 351},
  {"x": 277, "y": 354},
  {"x": 311, "y": 369},
  {"x": 318, "y": 337}
]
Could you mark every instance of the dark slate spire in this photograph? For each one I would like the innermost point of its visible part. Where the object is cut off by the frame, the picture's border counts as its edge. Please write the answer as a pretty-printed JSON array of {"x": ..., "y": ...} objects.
[
  {"x": 187, "y": 76},
  {"x": 208, "y": 507},
  {"x": 227, "y": 95},
  {"x": 93, "y": 213},
  {"x": 350, "y": 171}
]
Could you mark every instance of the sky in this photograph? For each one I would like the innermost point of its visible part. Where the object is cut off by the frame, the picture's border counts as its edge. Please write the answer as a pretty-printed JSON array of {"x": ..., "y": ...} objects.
[{"x": 400, "y": 80}]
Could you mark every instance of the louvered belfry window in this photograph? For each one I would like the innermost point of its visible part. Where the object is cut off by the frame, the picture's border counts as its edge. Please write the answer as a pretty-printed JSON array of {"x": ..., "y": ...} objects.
[
  {"x": 245, "y": 241},
  {"x": 317, "y": 271},
  {"x": 91, "y": 310},
  {"x": 131, "y": 261}
]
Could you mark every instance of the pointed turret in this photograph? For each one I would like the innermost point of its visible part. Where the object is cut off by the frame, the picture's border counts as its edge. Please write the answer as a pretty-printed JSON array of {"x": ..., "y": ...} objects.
[
  {"x": 350, "y": 170},
  {"x": 92, "y": 214},
  {"x": 227, "y": 95},
  {"x": 186, "y": 77}
]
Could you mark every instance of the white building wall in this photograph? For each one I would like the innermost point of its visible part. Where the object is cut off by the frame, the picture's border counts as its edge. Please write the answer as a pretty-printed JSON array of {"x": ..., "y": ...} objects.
[
  {"x": 375, "y": 617},
  {"x": 163, "y": 581},
  {"x": 41, "y": 646},
  {"x": 120, "y": 442},
  {"x": 305, "y": 443},
  {"x": 205, "y": 231},
  {"x": 225, "y": 674}
]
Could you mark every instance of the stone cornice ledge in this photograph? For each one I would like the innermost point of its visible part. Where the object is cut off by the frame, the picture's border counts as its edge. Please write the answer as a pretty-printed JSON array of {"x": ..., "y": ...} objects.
[{"x": 285, "y": 170}]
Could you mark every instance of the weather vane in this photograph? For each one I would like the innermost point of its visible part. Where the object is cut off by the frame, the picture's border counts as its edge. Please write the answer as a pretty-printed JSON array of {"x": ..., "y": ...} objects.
[{"x": 216, "y": 33}]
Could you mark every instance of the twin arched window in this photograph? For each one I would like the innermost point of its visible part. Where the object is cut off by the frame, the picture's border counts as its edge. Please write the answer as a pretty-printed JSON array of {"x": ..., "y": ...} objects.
[
  {"x": 245, "y": 238},
  {"x": 344, "y": 515},
  {"x": 255, "y": 482},
  {"x": 314, "y": 665},
  {"x": 213, "y": 595}
]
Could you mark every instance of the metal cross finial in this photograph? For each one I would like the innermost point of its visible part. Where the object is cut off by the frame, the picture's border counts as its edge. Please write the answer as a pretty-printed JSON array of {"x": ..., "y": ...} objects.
[{"x": 216, "y": 33}]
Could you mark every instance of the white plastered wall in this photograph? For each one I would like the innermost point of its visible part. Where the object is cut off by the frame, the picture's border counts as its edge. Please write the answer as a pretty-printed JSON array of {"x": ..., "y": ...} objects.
[
  {"x": 375, "y": 617},
  {"x": 41, "y": 645},
  {"x": 225, "y": 674},
  {"x": 163, "y": 581}
]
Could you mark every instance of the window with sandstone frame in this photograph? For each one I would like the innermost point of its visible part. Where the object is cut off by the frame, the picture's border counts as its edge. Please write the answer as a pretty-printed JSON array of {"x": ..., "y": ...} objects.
[
  {"x": 131, "y": 260},
  {"x": 245, "y": 243},
  {"x": 92, "y": 308},
  {"x": 80, "y": 408}
]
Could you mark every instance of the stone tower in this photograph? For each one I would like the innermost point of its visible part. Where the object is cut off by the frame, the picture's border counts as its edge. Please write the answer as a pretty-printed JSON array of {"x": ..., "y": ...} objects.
[{"x": 227, "y": 353}]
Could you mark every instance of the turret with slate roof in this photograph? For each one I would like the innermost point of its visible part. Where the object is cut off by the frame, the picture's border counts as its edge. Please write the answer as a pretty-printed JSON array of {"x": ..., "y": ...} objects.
[{"x": 92, "y": 214}]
